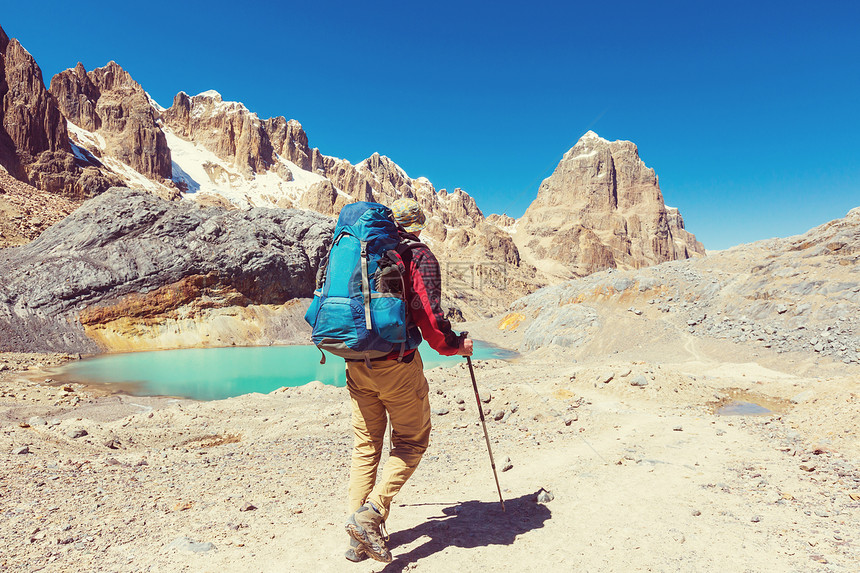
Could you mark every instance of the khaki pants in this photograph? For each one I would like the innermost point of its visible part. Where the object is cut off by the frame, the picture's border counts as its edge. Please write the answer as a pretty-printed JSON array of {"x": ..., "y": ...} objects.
[{"x": 400, "y": 389}]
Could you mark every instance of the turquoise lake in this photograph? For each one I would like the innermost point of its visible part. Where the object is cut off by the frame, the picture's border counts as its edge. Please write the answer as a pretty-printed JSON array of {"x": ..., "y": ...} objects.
[{"x": 216, "y": 373}]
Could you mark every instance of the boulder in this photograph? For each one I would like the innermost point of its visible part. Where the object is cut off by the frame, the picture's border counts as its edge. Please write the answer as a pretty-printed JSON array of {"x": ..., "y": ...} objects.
[{"x": 128, "y": 255}]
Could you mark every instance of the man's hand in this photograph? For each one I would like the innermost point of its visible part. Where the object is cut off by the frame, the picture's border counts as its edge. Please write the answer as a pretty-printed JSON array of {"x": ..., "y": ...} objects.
[{"x": 465, "y": 347}]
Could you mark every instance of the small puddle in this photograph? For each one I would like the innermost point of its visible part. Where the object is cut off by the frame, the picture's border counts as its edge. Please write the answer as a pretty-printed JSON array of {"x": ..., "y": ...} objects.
[
  {"x": 737, "y": 408},
  {"x": 742, "y": 403}
]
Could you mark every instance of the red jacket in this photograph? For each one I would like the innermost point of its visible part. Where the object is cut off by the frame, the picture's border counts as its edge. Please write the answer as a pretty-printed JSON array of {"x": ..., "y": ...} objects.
[{"x": 423, "y": 299}]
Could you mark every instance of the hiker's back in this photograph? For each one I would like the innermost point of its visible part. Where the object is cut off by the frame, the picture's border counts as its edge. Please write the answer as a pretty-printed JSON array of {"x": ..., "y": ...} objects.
[{"x": 359, "y": 310}]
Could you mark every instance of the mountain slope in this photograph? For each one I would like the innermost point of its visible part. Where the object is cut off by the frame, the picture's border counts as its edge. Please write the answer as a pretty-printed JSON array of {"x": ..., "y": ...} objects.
[{"x": 25, "y": 212}]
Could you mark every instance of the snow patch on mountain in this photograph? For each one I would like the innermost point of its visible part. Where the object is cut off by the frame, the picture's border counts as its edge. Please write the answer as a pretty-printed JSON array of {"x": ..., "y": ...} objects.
[
  {"x": 154, "y": 104},
  {"x": 87, "y": 145},
  {"x": 212, "y": 94},
  {"x": 585, "y": 155},
  {"x": 132, "y": 177},
  {"x": 592, "y": 135},
  {"x": 86, "y": 139},
  {"x": 211, "y": 102},
  {"x": 204, "y": 173}
]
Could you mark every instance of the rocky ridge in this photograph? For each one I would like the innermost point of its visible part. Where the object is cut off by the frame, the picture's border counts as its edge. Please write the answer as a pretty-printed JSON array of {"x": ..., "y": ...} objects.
[
  {"x": 798, "y": 294},
  {"x": 238, "y": 136},
  {"x": 223, "y": 151},
  {"x": 223, "y": 154},
  {"x": 106, "y": 130},
  {"x": 114, "y": 276},
  {"x": 250, "y": 147},
  {"x": 31, "y": 121}
]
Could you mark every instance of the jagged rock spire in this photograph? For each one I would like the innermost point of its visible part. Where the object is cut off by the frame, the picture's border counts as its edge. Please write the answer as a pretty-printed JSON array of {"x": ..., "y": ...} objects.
[{"x": 110, "y": 101}]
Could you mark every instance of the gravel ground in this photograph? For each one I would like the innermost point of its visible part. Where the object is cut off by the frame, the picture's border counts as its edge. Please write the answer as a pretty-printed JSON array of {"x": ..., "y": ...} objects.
[{"x": 643, "y": 474}]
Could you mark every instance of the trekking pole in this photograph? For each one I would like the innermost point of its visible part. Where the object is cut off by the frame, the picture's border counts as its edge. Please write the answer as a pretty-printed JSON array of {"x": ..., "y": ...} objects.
[{"x": 484, "y": 424}]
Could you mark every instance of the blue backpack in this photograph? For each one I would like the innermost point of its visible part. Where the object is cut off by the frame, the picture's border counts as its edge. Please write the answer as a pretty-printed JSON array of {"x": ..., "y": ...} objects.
[{"x": 359, "y": 307}]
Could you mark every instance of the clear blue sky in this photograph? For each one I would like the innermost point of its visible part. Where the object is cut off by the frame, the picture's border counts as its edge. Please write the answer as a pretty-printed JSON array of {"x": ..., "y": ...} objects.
[{"x": 748, "y": 111}]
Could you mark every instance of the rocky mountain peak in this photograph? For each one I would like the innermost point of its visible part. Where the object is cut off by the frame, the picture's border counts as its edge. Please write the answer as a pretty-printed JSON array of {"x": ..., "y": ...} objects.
[
  {"x": 30, "y": 115},
  {"x": 226, "y": 128},
  {"x": 591, "y": 135},
  {"x": 210, "y": 94},
  {"x": 502, "y": 221},
  {"x": 384, "y": 170},
  {"x": 591, "y": 142},
  {"x": 109, "y": 101},
  {"x": 588, "y": 144},
  {"x": 459, "y": 207},
  {"x": 113, "y": 77},
  {"x": 34, "y": 138},
  {"x": 76, "y": 96},
  {"x": 178, "y": 114},
  {"x": 32, "y": 129},
  {"x": 380, "y": 179},
  {"x": 290, "y": 141},
  {"x": 210, "y": 102},
  {"x": 601, "y": 208}
]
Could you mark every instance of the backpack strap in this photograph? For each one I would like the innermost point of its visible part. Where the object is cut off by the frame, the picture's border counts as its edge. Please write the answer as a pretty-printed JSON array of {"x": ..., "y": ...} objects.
[
  {"x": 405, "y": 322},
  {"x": 404, "y": 245},
  {"x": 365, "y": 284}
]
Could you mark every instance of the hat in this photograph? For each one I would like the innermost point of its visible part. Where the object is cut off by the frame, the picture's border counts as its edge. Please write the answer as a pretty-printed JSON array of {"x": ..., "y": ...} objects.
[{"x": 409, "y": 214}]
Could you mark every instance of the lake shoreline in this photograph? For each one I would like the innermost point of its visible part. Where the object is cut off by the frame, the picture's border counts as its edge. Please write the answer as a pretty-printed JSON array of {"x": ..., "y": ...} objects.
[{"x": 218, "y": 373}]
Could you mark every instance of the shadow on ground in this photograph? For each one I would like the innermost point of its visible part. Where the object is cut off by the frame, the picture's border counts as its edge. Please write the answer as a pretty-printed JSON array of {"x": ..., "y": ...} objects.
[{"x": 469, "y": 524}]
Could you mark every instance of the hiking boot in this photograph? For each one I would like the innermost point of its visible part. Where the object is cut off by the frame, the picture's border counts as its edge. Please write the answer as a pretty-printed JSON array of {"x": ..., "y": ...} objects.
[
  {"x": 356, "y": 552},
  {"x": 365, "y": 526}
]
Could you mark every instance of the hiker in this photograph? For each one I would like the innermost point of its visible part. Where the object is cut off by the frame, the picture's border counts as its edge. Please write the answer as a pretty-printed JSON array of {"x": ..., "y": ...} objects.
[{"x": 398, "y": 388}]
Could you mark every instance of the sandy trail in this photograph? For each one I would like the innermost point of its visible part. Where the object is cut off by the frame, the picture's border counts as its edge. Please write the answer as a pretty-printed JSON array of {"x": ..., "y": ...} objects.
[{"x": 644, "y": 478}]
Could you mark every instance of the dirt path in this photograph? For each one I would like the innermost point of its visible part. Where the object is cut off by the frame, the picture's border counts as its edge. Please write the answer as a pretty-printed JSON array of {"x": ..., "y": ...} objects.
[{"x": 644, "y": 478}]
